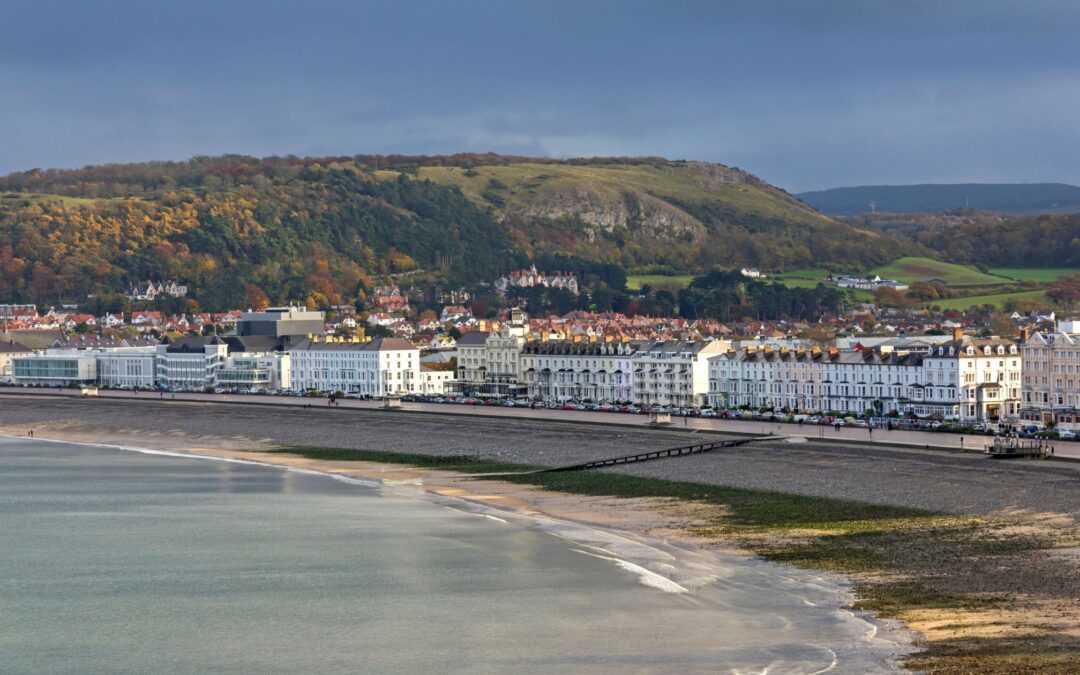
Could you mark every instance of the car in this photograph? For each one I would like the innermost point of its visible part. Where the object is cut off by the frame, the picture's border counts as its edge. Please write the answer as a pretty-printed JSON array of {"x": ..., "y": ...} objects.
[{"x": 1067, "y": 435}]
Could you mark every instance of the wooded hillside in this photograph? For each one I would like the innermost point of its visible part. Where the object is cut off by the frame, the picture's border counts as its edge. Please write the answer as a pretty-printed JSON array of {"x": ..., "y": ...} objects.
[{"x": 325, "y": 230}]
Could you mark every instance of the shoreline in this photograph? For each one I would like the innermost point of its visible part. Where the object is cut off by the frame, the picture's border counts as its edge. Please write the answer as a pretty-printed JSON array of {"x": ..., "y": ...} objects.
[
  {"x": 609, "y": 528},
  {"x": 988, "y": 591}
]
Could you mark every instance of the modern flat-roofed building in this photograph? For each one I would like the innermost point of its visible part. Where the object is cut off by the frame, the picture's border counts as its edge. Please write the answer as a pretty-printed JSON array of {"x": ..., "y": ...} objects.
[
  {"x": 128, "y": 367},
  {"x": 279, "y": 322},
  {"x": 190, "y": 363},
  {"x": 56, "y": 368}
]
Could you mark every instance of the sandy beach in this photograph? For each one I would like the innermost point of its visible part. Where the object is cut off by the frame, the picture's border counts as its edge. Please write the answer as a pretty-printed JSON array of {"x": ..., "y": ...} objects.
[{"x": 996, "y": 570}]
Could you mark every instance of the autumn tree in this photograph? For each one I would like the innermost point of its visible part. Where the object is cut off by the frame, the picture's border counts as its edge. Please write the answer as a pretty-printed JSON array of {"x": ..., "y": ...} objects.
[
  {"x": 1065, "y": 291},
  {"x": 256, "y": 297}
]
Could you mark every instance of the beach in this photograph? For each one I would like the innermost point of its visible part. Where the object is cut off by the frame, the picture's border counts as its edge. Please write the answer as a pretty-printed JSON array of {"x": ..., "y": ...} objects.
[{"x": 1011, "y": 526}]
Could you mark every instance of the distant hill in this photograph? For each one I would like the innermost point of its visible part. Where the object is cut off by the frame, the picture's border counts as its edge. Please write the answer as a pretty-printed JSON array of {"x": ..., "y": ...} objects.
[
  {"x": 326, "y": 229},
  {"x": 1015, "y": 198}
]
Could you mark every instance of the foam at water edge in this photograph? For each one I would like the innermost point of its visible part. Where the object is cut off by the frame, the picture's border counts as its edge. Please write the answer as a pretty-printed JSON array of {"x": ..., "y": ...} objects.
[{"x": 645, "y": 576}]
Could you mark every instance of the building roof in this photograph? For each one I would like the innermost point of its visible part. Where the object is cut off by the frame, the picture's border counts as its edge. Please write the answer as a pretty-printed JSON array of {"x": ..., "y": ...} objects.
[
  {"x": 473, "y": 338},
  {"x": 13, "y": 347},
  {"x": 569, "y": 348},
  {"x": 35, "y": 339},
  {"x": 389, "y": 344},
  {"x": 190, "y": 345},
  {"x": 255, "y": 343}
]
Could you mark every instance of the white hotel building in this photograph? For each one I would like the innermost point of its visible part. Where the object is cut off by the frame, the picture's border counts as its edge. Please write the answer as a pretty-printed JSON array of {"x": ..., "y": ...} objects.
[
  {"x": 380, "y": 367},
  {"x": 667, "y": 373},
  {"x": 561, "y": 370},
  {"x": 972, "y": 380},
  {"x": 674, "y": 372}
]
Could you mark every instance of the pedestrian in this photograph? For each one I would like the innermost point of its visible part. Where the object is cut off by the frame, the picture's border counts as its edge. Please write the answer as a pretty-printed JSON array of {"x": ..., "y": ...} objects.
[
  {"x": 870, "y": 431},
  {"x": 961, "y": 442}
]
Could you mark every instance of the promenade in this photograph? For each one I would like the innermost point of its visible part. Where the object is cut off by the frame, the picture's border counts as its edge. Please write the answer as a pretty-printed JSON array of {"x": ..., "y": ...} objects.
[
  {"x": 938, "y": 478},
  {"x": 816, "y": 433}
]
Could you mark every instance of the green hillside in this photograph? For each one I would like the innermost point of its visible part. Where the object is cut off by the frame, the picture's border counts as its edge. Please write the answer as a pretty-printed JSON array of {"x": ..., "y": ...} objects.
[
  {"x": 1034, "y": 274},
  {"x": 911, "y": 269},
  {"x": 996, "y": 299}
]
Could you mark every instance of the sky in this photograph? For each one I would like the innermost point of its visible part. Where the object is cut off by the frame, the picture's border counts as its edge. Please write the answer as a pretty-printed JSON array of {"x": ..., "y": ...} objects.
[{"x": 807, "y": 94}]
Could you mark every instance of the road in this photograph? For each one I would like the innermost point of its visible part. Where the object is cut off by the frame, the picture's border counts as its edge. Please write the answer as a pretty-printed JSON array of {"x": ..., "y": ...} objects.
[{"x": 883, "y": 437}]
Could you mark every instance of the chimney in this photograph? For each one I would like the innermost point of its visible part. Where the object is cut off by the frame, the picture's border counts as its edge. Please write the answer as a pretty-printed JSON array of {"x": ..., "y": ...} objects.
[
  {"x": 958, "y": 333},
  {"x": 1025, "y": 333}
]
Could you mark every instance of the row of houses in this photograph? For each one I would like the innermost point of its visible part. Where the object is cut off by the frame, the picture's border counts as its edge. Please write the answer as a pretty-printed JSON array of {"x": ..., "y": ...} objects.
[
  {"x": 532, "y": 277},
  {"x": 377, "y": 368},
  {"x": 1035, "y": 379},
  {"x": 511, "y": 362},
  {"x": 968, "y": 379},
  {"x": 957, "y": 377}
]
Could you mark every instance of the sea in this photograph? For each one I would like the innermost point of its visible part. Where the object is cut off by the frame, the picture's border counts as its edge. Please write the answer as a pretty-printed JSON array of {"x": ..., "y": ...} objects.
[{"x": 121, "y": 560}]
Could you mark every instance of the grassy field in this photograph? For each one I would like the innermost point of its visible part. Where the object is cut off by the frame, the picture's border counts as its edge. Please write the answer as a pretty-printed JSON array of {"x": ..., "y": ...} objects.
[
  {"x": 635, "y": 281},
  {"x": 912, "y": 269},
  {"x": 40, "y": 197},
  {"x": 908, "y": 564},
  {"x": 810, "y": 277},
  {"x": 998, "y": 299},
  {"x": 806, "y": 277},
  {"x": 1034, "y": 274}
]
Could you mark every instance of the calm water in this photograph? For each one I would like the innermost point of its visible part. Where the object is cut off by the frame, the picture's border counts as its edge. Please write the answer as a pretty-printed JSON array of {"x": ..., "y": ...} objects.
[{"x": 116, "y": 561}]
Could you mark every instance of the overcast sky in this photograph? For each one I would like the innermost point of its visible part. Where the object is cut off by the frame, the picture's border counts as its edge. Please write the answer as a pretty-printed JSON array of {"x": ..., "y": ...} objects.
[{"x": 807, "y": 94}]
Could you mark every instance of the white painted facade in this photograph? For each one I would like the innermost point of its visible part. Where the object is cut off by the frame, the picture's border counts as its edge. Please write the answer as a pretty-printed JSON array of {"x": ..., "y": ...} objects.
[
  {"x": 435, "y": 382},
  {"x": 562, "y": 370},
  {"x": 970, "y": 380},
  {"x": 190, "y": 364},
  {"x": 674, "y": 372},
  {"x": 377, "y": 368},
  {"x": 127, "y": 368}
]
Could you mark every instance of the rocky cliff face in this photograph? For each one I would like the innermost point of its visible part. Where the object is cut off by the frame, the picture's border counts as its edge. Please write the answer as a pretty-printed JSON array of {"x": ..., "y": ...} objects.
[{"x": 607, "y": 212}]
